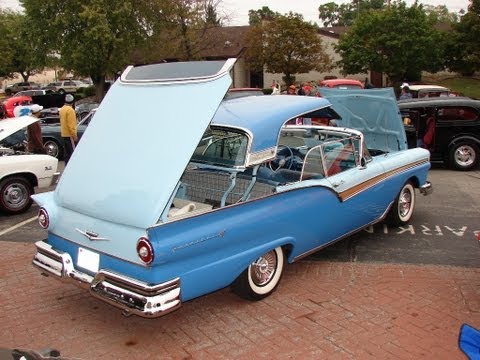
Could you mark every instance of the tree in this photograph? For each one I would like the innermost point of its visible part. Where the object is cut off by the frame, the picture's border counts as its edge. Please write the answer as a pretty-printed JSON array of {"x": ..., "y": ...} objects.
[
  {"x": 23, "y": 52},
  {"x": 286, "y": 44},
  {"x": 463, "y": 45},
  {"x": 399, "y": 41},
  {"x": 93, "y": 37},
  {"x": 182, "y": 27},
  {"x": 440, "y": 14},
  {"x": 256, "y": 17},
  {"x": 333, "y": 14}
]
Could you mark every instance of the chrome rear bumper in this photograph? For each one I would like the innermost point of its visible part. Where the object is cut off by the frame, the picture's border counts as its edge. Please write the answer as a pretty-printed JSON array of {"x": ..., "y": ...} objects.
[
  {"x": 427, "y": 188},
  {"x": 131, "y": 295}
]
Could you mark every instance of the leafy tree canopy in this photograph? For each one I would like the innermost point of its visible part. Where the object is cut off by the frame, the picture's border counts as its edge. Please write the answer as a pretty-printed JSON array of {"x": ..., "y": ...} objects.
[
  {"x": 399, "y": 41},
  {"x": 286, "y": 44},
  {"x": 182, "y": 28},
  {"x": 463, "y": 49},
  {"x": 333, "y": 14},
  {"x": 92, "y": 37},
  {"x": 255, "y": 17},
  {"x": 23, "y": 52}
]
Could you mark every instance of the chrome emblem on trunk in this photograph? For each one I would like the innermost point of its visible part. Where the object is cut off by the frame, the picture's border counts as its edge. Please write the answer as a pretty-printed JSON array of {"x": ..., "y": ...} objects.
[{"x": 91, "y": 235}]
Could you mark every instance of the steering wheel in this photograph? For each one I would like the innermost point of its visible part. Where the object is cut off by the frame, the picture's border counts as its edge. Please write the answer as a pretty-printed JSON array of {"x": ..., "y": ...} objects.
[{"x": 283, "y": 159}]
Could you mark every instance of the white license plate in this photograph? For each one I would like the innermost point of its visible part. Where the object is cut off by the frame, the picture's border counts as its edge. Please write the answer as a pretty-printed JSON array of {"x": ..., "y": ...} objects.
[{"x": 88, "y": 260}]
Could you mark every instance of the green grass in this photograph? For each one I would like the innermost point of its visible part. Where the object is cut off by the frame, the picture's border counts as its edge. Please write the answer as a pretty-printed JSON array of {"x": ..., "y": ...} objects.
[{"x": 467, "y": 86}]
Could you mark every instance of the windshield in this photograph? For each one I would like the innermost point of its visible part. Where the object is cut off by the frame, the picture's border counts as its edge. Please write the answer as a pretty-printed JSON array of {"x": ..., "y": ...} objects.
[{"x": 222, "y": 147}]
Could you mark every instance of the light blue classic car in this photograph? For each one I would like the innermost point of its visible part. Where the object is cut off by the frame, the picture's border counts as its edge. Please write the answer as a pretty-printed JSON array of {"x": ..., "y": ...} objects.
[{"x": 219, "y": 192}]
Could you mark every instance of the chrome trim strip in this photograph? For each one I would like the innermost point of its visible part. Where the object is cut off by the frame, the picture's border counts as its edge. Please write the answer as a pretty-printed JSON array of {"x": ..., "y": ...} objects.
[
  {"x": 131, "y": 295},
  {"x": 349, "y": 193}
]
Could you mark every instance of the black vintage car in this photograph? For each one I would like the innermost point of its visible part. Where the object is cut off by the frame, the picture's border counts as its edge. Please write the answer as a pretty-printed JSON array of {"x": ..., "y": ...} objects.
[{"x": 448, "y": 126}]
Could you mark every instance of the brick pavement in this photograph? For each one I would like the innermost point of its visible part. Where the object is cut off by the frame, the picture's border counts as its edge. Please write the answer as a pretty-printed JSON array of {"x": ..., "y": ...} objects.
[{"x": 322, "y": 310}]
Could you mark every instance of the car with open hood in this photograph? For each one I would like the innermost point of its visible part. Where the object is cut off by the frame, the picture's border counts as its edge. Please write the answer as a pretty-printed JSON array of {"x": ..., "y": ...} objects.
[
  {"x": 216, "y": 193},
  {"x": 20, "y": 172}
]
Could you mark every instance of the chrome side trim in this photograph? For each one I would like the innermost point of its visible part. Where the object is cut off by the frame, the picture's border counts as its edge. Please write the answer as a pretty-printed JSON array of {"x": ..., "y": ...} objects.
[
  {"x": 131, "y": 295},
  {"x": 427, "y": 188}
]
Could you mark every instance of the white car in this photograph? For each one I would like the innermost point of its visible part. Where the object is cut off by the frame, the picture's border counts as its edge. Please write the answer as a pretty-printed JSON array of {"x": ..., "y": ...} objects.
[
  {"x": 21, "y": 172},
  {"x": 65, "y": 86}
]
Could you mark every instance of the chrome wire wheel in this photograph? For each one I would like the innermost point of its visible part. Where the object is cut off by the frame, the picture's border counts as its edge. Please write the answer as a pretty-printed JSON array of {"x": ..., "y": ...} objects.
[
  {"x": 405, "y": 202},
  {"x": 402, "y": 210},
  {"x": 263, "y": 269},
  {"x": 262, "y": 276}
]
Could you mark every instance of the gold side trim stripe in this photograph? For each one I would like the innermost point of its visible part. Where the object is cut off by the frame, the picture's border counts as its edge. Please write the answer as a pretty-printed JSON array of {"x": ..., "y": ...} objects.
[{"x": 347, "y": 194}]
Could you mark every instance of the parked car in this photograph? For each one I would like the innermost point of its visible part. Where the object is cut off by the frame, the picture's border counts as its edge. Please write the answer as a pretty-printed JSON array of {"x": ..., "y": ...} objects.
[
  {"x": 454, "y": 129},
  {"x": 341, "y": 84},
  {"x": 20, "y": 86},
  {"x": 36, "y": 92},
  {"x": 11, "y": 103},
  {"x": 421, "y": 91},
  {"x": 84, "y": 109},
  {"x": 218, "y": 197},
  {"x": 65, "y": 86},
  {"x": 21, "y": 172},
  {"x": 51, "y": 134}
]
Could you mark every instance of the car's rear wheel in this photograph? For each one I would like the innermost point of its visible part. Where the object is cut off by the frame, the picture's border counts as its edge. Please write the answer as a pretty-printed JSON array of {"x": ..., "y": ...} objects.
[
  {"x": 15, "y": 195},
  {"x": 402, "y": 209},
  {"x": 262, "y": 276},
  {"x": 464, "y": 156},
  {"x": 53, "y": 148}
]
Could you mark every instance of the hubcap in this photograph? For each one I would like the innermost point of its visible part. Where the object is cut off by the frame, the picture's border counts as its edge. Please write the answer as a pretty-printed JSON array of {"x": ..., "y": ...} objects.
[
  {"x": 405, "y": 203},
  {"x": 15, "y": 196},
  {"x": 465, "y": 155},
  {"x": 51, "y": 148},
  {"x": 263, "y": 269}
]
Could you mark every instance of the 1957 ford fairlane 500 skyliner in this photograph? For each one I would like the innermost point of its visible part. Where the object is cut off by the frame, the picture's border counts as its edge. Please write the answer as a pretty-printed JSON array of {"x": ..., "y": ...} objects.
[{"x": 219, "y": 192}]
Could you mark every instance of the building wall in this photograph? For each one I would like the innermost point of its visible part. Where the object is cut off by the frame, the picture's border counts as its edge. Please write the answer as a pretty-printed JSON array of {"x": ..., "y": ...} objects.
[{"x": 241, "y": 76}]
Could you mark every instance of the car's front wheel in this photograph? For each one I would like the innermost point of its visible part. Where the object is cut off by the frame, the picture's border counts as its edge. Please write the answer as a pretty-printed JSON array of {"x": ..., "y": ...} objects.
[
  {"x": 53, "y": 148},
  {"x": 15, "y": 195},
  {"x": 464, "y": 156},
  {"x": 61, "y": 91},
  {"x": 262, "y": 276},
  {"x": 402, "y": 209}
]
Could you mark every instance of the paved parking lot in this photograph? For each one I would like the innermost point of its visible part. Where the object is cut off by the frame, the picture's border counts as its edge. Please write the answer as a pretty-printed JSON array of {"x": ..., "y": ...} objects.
[
  {"x": 360, "y": 299},
  {"x": 322, "y": 309}
]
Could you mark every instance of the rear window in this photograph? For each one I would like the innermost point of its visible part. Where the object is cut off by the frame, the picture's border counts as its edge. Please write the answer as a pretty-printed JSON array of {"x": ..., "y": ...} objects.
[{"x": 222, "y": 147}]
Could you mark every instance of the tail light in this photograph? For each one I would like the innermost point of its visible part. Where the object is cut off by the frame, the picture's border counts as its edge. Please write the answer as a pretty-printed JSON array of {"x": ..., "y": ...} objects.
[
  {"x": 145, "y": 250},
  {"x": 43, "y": 219}
]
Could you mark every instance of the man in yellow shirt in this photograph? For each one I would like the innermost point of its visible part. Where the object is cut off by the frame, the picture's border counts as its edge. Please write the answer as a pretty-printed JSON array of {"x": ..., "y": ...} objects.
[{"x": 68, "y": 127}]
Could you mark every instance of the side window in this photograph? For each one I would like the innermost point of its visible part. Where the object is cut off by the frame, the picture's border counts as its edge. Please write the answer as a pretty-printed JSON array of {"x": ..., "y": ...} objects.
[{"x": 457, "y": 113}]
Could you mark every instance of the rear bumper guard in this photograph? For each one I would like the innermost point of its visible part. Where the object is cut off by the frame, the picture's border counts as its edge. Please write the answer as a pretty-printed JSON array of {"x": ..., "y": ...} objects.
[
  {"x": 427, "y": 188},
  {"x": 134, "y": 297}
]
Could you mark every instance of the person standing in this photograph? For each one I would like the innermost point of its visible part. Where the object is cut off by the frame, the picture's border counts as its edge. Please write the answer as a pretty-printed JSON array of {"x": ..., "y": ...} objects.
[
  {"x": 68, "y": 127},
  {"x": 405, "y": 94},
  {"x": 34, "y": 133}
]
